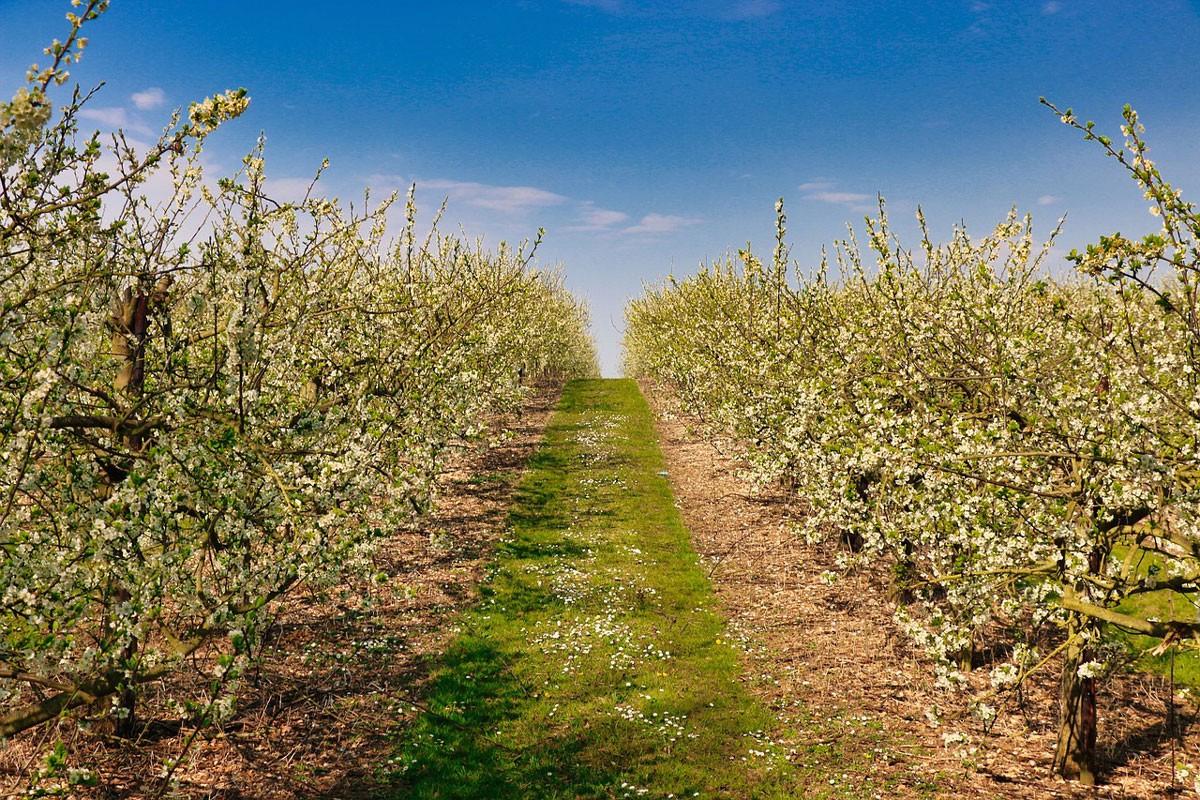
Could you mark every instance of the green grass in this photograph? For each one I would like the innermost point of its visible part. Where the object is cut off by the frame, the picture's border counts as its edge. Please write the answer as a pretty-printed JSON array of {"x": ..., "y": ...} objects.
[
  {"x": 594, "y": 665},
  {"x": 1162, "y": 604}
]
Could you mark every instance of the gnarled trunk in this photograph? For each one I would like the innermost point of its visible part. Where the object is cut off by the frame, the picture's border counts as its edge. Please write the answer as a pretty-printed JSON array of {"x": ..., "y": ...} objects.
[
  {"x": 131, "y": 324},
  {"x": 1075, "y": 755}
]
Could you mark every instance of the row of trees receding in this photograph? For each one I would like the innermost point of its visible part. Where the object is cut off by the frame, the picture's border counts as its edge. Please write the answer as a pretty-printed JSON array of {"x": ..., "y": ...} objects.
[
  {"x": 1013, "y": 447},
  {"x": 210, "y": 396}
]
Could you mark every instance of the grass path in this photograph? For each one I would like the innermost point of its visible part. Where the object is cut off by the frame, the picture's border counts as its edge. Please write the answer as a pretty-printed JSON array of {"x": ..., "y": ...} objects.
[{"x": 594, "y": 665}]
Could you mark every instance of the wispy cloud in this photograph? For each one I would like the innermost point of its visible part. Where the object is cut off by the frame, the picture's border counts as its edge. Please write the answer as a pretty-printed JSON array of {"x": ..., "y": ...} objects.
[
  {"x": 588, "y": 217},
  {"x": 289, "y": 190},
  {"x": 983, "y": 18},
  {"x": 661, "y": 223},
  {"x": 839, "y": 198},
  {"x": 150, "y": 98},
  {"x": 115, "y": 118},
  {"x": 1052, "y": 8},
  {"x": 1048, "y": 200},
  {"x": 506, "y": 199},
  {"x": 597, "y": 219},
  {"x": 823, "y": 190},
  {"x": 108, "y": 116}
]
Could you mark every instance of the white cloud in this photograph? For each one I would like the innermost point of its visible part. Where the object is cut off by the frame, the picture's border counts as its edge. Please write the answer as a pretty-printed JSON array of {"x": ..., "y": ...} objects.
[
  {"x": 389, "y": 183},
  {"x": 1048, "y": 200},
  {"x": 823, "y": 190},
  {"x": 289, "y": 190},
  {"x": 114, "y": 118},
  {"x": 662, "y": 223},
  {"x": 1052, "y": 8},
  {"x": 839, "y": 198},
  {"x": 150, "y": 98},
  {"x": 108, "y": 116},
  {"x": 506, "y": 199},
  {"x": 597, "y": 219}
]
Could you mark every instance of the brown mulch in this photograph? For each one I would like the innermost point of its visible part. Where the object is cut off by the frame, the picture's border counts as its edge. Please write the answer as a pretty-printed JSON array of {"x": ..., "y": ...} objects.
[
  {"x": 341, "y": 669},
  {"x": 831, "y": 661}
]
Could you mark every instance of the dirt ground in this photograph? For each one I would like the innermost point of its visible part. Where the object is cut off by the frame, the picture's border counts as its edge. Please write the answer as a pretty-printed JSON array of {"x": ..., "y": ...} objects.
[
  {"x": 339, "y": 670},
  {"x": 829, "y": 656},
  {"x": 342, "y": 671}
]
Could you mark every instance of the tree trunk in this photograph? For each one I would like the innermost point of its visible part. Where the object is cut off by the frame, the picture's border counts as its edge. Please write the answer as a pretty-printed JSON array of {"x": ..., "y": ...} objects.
[
  {"x": 1075, "y": 756},
  {"x": 131, "y": 324},
  {"x": 125, "y": 724}
]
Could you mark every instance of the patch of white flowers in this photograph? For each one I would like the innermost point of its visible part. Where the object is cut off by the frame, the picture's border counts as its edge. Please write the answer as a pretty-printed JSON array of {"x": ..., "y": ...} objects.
[
  {"x": 196, "y": 417},
  {"x": 1009, "y": 445}
]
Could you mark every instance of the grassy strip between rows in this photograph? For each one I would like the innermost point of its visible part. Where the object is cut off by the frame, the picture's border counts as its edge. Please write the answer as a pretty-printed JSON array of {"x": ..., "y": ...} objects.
[{"x": 595, "y": 664}]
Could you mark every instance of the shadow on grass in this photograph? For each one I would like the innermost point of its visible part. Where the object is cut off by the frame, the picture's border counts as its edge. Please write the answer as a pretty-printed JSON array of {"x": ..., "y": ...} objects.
[
  {"x": 455, "y": 752},
  {"x": 537, "y": 502},
  {"x": 591, "y": 662}
]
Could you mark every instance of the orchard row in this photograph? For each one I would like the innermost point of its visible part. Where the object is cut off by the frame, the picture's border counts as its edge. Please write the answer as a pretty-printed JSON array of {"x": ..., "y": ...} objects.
[
  {"x": 1011, "y": 447},
  {"x": 209, "y": 396}
]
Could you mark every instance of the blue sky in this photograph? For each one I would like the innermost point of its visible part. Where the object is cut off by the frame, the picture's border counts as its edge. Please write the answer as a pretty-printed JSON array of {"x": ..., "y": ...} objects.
[{"x": 647, "y": 137}]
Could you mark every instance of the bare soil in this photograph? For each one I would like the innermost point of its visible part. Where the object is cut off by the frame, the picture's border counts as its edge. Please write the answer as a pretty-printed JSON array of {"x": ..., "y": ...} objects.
[
  {"x": 830, "y": 659},
  {"x": 340, "y": 672},
  {"x": 343, "y": 671}
]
